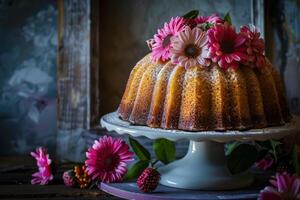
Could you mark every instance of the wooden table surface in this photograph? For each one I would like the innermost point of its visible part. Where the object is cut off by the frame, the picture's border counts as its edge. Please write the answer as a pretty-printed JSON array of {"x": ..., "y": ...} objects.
[{"x": 15, "y": 176}]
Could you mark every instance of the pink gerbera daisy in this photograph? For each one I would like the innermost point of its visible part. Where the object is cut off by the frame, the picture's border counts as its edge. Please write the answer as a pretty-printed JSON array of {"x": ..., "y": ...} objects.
[
  {"x": 284, "y": 187},
  {"x": 255, "y": 46},
  {"x": 189, "y": 48},
  {"x": 161, "y": 46},
  {"x": 44, "y": 175},
  {"x": 107, "y": 159},
  {"x": 226, "y": 47}
]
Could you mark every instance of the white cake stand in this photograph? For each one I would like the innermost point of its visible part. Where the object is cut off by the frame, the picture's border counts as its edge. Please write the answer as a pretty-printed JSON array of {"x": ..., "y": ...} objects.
[{"x": 204, "y": 165}]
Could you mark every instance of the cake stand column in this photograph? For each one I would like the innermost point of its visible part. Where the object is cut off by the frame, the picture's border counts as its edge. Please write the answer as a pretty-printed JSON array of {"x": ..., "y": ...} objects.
[{"x": 203, "y": 167}]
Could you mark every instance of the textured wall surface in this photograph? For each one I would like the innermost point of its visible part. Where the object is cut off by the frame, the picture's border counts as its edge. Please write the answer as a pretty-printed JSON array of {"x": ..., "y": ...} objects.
[
  {"x": 288, "y": 60},
  {"x": 125, "y": 25},
  {"x": 28, "y": 41}
]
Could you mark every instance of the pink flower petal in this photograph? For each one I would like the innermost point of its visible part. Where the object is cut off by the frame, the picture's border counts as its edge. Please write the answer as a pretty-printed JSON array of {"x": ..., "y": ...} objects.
[{"x": 267, "y": 195}]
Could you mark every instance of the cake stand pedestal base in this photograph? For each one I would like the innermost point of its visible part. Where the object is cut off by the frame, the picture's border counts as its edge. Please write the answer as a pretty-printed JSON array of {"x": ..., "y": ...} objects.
[{"x": 203, "y": 167}]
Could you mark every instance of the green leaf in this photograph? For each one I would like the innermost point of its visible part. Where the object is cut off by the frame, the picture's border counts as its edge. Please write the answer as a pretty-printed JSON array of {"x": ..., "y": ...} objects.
[
  {"x": 230, "y": 147},
  {"x": 274, "y": 145},
  {"x": 165, "y": 150},
  {"x": 139, "y": 150},
  {"x": 191, "y": 15},
  {"x": 135, "y": 170},
  {"x": 241, "y": 158},
  {"x": 227, "y": 18},
  {"x": 295, "y": 160}
]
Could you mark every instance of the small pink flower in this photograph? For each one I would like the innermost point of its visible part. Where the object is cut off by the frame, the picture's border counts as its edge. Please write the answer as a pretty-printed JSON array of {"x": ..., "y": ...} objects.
[
  {"x": 265, "y": 163},
  {"x": 189, "y": 48},
  {"x": 44, "y": 175},
  {"x": 107, "y": 159},
  {"x": 226, "y": 47},
  {"x": 162, "y": 43},
  {"x": 284, "y": 187},
  {"x": 254, "y": 46}
]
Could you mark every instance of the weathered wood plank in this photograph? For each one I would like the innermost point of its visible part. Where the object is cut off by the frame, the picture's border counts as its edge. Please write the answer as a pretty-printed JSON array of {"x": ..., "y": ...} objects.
[
  {"x": 95, "y": 63},
  {"x": 15, "y": 176},
  {"x": 74, "y": 65},
  {"x": 50, "y": 191}
]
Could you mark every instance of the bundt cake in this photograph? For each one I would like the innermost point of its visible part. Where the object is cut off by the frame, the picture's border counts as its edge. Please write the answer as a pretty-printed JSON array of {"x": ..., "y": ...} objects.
[{"x": 196, "y": 95}]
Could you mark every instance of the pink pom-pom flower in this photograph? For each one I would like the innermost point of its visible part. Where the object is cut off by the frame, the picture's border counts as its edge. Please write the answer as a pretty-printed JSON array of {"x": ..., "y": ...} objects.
[
  {"x": 44, "y": 175},
  {"x": 284, "y": 187},
  {"x": 254, "y": 46},
  {"x": 226, "y": 47},
  {"x": 189, "y": 48},
  {"x": 162, "y": 43},
  {"x": 69, "y": 178},
  {"x": 107, "y": 159}
]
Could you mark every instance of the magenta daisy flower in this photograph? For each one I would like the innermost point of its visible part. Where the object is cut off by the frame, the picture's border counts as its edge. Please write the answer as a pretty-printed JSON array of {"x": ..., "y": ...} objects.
[
  {"x": 226, "y": 47},
  {"x": 284, "y": 187},
  {"x": 44, "y": 175},
  {"x": 189, "y": 48},
  {"x": 107, "y": 159},
  {"x": 161, "y": 46},
  {"x": 255, "y": 46}
]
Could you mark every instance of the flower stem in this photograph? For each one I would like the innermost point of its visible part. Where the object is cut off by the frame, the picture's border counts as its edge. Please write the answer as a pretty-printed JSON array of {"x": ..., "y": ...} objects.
[{"x": 154, "y": 162}]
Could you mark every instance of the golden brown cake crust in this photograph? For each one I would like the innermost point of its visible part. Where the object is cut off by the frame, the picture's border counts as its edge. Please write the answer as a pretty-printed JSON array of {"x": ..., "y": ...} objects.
[{"x": 166, "y": 96}]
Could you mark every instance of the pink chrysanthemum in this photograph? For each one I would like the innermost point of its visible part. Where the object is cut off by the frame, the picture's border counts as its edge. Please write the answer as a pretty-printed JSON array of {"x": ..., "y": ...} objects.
[
  {"x": 255, "y": 46},
  {"x": 284, "y": 187},
  {"x": 107, "y": 159},
  {"x": 226, "y": 47},
  {"x": 44, "y": 175},
  {"x": 189, "y": 48},
  {"x": 162, "y": 44}
]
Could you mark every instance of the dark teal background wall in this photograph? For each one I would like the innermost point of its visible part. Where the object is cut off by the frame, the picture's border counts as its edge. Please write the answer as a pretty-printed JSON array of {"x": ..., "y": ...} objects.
[
  {"x": 28, "y": 56},
  {"x": 287, "y": 48},
  {"x": 28, "y": 41}
]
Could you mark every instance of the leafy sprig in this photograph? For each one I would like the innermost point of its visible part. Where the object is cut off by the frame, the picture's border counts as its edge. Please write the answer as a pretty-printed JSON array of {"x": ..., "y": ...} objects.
[
  {"x": 191, "y": 15},
  {"x": 227, "y": 18},
  {"x": 164, "y": 150}
]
